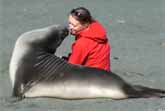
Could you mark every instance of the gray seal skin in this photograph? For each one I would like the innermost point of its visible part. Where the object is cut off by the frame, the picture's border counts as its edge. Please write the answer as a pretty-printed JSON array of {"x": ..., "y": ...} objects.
[{"x": 36, "y": 72}]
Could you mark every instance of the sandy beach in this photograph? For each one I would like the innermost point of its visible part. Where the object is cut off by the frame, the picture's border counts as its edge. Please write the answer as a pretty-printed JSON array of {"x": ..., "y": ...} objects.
[{"x": 136, "y": 32}]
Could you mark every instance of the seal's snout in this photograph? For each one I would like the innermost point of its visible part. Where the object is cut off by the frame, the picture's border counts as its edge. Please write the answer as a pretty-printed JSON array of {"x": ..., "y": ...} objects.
[{"x": 66, "y": 31}]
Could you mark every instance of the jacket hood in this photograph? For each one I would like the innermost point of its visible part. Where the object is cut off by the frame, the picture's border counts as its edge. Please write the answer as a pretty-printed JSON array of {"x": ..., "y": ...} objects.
[{"x": 95, "y": 31}]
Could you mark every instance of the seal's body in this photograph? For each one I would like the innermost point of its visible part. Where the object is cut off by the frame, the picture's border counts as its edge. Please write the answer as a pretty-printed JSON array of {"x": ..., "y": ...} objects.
[{"x": 36, "y": 72}]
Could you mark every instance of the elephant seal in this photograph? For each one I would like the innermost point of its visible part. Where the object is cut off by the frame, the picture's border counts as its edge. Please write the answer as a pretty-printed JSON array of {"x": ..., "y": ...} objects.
[
  {"x": 36, "y": 72},
  {"x": 32, "y": 49}
]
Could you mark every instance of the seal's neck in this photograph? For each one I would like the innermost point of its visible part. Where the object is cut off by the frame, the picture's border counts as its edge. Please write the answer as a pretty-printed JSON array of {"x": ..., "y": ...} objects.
[{"x": 50, "y": 63}]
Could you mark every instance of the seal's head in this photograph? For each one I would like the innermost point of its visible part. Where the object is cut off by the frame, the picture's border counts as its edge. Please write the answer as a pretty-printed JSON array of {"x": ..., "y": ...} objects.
[
  {"x": 47, "y": 39},
  {"x": 59, "y": 33},
  {"x": 55, "y": 37}
]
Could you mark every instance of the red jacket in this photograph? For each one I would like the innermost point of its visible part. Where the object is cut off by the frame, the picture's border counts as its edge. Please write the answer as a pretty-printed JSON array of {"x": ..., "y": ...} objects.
[{"x": 91, "y": 48}]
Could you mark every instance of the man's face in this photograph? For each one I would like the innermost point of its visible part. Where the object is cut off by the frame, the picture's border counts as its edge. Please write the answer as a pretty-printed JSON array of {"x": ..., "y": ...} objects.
[{"x": 75, "y": 26}]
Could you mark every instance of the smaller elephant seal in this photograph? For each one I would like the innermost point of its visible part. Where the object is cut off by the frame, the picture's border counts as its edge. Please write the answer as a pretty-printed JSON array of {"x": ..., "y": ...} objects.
[{"x": 36, "y": 72}]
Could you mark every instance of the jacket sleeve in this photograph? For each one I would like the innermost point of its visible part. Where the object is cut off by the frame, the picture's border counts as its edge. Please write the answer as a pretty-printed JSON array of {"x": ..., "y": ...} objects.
[{"x": 79, "y": 53}]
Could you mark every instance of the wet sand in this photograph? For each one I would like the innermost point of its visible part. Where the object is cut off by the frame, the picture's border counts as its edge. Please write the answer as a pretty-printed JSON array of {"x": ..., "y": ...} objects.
[{"x": 136, "y": 32}]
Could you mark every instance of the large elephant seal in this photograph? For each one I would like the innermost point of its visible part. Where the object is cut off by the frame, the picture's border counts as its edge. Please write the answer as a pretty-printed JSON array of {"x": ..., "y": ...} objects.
[{"x": 36, "y": 72}]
